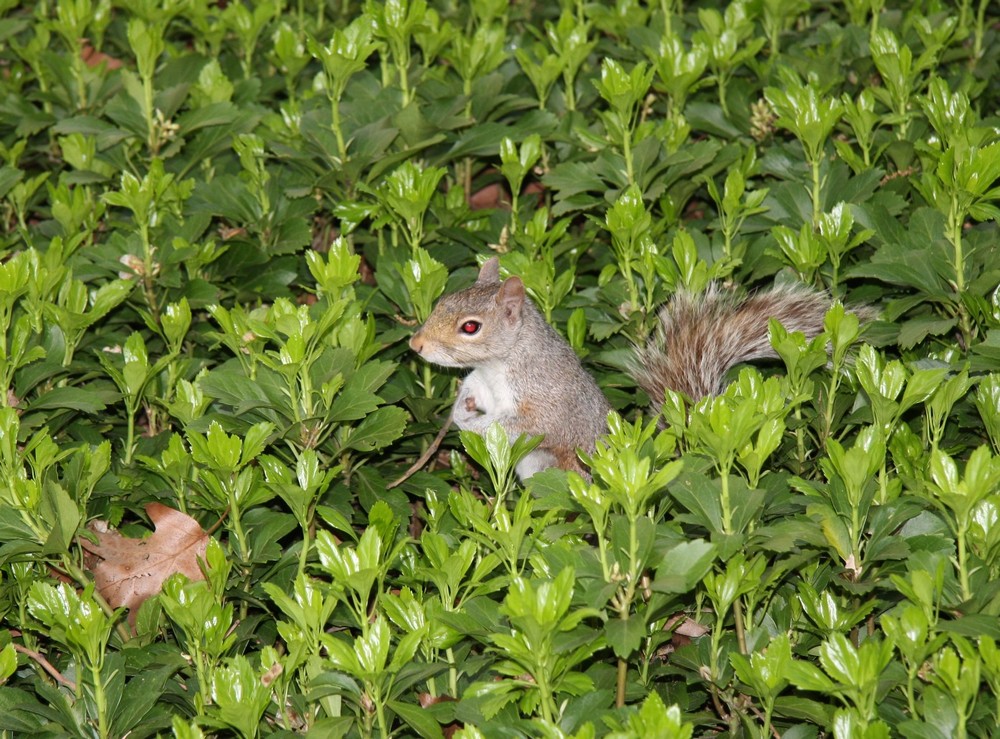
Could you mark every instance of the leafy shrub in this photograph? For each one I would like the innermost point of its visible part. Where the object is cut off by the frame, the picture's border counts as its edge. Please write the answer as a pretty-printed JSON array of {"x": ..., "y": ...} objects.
[{"x": 222, "y": 220}]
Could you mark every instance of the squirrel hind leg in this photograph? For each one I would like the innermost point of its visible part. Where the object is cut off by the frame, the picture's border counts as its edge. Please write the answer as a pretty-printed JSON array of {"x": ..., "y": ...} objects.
[
  {"x": 535, "y": 461},
  {"x": 545, "y": 457}
]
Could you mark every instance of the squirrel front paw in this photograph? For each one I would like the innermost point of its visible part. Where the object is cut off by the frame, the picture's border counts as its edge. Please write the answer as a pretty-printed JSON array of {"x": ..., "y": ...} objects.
[
  {"x": 469, "y": 412},
  {"x": 468, "y": 415}
]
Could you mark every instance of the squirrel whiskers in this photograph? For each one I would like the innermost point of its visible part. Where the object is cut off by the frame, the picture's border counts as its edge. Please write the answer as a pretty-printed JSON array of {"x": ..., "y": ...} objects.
[{"x": 527, "y": 378}]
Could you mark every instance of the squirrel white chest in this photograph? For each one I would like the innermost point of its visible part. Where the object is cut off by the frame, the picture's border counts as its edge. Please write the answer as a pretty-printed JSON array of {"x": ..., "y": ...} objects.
[{"x": 492, "y": 390}]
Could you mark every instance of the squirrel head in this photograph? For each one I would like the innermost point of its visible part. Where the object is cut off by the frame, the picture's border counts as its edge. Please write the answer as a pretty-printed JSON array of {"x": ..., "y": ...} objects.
[{"x": 475, "y": 326}]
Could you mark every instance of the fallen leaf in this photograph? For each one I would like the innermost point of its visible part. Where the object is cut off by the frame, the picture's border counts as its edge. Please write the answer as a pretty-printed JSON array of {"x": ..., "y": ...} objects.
[
  {"x": 691, "y": 628},
  {"x": 426, "y": 699},
  {"x": 93, "y": 58},
  {"x": 493, "y": 195},
  {"x": 129, "y": 571}
]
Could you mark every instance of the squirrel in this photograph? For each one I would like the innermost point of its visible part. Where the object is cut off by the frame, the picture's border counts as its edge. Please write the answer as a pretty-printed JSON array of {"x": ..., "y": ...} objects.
[{"x": 527, "y": 377}]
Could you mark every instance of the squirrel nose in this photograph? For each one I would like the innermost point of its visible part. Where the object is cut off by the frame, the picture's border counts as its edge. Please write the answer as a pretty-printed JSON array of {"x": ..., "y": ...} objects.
[{"x": 417, "y": 343}]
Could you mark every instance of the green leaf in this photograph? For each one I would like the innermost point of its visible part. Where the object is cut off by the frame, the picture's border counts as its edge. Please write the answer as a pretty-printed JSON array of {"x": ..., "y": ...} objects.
[
  {"x": 684, "y": 566},
  {"x": 76, "y": 398},
  {"x": 418, "y": 719},
  {"x": 63, "y": 514},
  {"x": 378, "y": 429},
  {"x": 625, "y": 635}
]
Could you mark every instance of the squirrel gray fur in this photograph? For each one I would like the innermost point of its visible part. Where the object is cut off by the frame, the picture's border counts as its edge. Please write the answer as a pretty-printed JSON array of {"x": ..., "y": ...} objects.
[{"x": 527, "y": 378}]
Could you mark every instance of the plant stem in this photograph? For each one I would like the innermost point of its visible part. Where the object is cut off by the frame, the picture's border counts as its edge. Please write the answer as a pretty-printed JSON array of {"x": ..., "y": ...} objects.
[
  {"x": 955, "y": 222},
  {"x": 147, "y": 94},
  {"x": 335, "y": 115},
  {"x": 828, "y": 411},
  {"x": 768, "y": 713},
  {"x": 727, "y": 514},
  {"x": 800, "y": 441},
  {"x": 963, "y": 564},
  {"x": 383, "y": 727},
  {"x": 977, "y": 44},
  {"x": 621, "y": 682},
  {"x": 569, "y": 95},
  {"x": 627, "y": 153},
  {"x": 814, "y": 163},
  {"x": 101, "y": 701},
  {"x": 545, "y": 690},
  {"x": 130, "y": 434},
  {"x": 452, "y": 673},
  {"x": 741, "y": 636},
  {"x": 911, "y": 676},
  {"x": 304, "y": 551}
]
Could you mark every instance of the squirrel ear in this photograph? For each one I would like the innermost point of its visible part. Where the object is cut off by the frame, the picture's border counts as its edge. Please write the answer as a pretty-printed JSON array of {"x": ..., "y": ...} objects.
[
  {"x": 489, "y": 273},
  {"x": 511, "y": 297}
]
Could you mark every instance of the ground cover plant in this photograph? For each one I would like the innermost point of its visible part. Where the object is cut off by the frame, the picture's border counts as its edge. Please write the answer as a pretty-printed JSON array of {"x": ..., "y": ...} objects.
[{"x": 222, "y": 220}]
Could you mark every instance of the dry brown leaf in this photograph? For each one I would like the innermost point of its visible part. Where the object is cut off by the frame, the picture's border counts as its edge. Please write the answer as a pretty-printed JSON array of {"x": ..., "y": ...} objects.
[
  {"x": 129, "y": 571},
  {"x": 691, "y": 628},
  {"x": 93, "y": 58}
]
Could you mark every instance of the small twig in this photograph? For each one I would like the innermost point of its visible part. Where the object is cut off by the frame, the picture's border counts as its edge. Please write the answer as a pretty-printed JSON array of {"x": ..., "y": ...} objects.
[
  {"x": 719, "y": 709},
  {"x": 47, "y": 666},
  {"x": 756, "y": 712},
  {"x": 217, "y": 524},
  {"x": 425, "y": 457}
]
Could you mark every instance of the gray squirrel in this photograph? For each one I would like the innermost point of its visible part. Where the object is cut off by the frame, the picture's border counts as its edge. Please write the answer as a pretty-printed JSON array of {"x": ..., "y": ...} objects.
[{"x": 527, "y": 378}]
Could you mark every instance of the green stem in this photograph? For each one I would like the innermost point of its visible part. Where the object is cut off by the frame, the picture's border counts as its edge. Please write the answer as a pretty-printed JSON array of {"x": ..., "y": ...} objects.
[
  {"x": 383, "y": 727},
  {"x": 856, "y": 531},
  {"x": 452, "y": 673},
  {"x": 337, "y": 132},
  {"x": 130, "y": 436},
  {"x": 911, "y": 676},
  {"x": 627, "y": 596},
  {"x": 977, "y": 44},
  {"x": 829, "y": 410},
  {"x": 768, "y": 713},
  {"x": 814, "y": 162},
  {"x": 570, "y": 93},
  {"x": 6, "y": 315},
  {"x": 404, "y": 83},
  {"x": 147, "y": 94},
  {"x": 545, "y": 691},
  {"x": 741, "y": 636},
  {"x": 304, "y": 551},
  {"x": 81, "y": 84},
  {"x": 101, "y": 701},
  {"x": 602, "y": 549},
  {"x": 800, "y": 440},
  {"x": 621, "y": 683},
  {"x": 627, "y": 152},
  {"x": 204, "y": 696},
  {"x": 428, "y": 380},
  {"x": 955, "y": 223},
  {"x": 727, "y": 514},
  {"x": 963, "y": 564},
  {"x": 237, "y": 526}
]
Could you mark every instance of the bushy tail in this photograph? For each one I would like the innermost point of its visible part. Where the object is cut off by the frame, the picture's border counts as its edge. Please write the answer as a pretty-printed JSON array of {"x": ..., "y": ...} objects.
[{"x": 702, "y": 336}]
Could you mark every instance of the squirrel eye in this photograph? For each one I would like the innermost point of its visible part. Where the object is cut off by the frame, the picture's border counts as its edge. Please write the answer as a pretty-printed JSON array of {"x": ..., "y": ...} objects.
[{"x": 470, "y": 328}]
